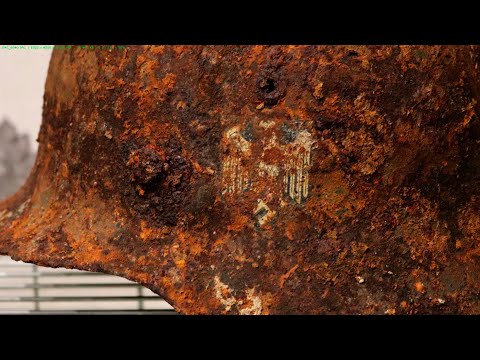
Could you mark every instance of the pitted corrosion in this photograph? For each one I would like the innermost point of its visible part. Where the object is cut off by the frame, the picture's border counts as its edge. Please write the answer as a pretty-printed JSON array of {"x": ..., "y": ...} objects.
[{"x": 262, "y": 179}]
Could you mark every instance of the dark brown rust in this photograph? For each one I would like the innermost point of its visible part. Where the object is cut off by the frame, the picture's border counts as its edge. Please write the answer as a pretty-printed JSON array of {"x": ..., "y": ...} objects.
[{"x": 262, "y": 179}]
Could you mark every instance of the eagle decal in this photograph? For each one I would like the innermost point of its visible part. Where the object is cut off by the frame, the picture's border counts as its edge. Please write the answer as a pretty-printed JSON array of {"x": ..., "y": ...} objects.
[{"x": 269, "y": 160}]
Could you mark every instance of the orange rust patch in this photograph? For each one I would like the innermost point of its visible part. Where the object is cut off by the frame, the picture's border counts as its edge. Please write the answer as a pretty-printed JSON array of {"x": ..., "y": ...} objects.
[
  {"x": 419, "y": 287},
  {"x": 239, "y": 224},
  {"x": 285, "y": 276}
]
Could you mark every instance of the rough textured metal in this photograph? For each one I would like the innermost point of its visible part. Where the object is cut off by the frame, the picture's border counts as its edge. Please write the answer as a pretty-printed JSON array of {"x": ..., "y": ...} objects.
[{"x": 262, "y": 180}]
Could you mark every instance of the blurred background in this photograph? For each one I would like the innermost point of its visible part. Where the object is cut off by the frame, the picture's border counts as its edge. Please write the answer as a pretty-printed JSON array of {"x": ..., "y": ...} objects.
[{"x": 26, "y": 288}]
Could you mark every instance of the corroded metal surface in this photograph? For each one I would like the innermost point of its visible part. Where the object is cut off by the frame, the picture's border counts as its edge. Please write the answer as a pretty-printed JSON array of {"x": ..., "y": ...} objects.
[{"x": 262, "y": 180}]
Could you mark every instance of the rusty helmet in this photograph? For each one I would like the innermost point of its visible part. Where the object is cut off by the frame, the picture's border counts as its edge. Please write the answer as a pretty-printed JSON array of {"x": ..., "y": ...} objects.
[{"x": 261, "y": 179}]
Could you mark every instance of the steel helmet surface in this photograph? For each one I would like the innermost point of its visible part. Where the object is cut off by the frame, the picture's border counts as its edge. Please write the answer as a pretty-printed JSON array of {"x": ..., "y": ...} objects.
[{"x": 261, "y": 179}]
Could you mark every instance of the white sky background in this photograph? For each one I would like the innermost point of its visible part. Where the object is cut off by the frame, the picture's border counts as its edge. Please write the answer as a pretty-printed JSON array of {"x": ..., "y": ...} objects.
[{"x": 22, "y": 80}]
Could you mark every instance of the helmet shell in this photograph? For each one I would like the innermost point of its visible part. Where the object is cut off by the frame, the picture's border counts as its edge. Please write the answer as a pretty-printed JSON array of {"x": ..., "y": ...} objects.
[{"x": 261, "y": 179}]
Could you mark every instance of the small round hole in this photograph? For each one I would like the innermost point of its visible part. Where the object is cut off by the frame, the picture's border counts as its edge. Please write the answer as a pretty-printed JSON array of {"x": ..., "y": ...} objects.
[{"x": 269, "y": 86}]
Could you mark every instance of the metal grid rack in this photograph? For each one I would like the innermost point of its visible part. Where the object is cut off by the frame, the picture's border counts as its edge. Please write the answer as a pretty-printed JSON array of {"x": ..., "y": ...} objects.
[{"x": 30, "y": 289}]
